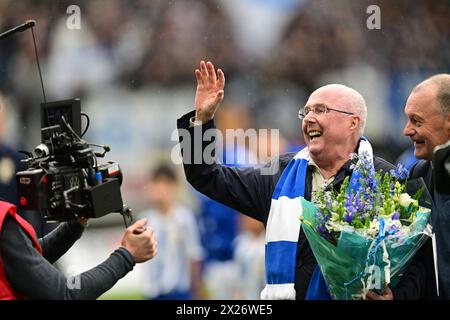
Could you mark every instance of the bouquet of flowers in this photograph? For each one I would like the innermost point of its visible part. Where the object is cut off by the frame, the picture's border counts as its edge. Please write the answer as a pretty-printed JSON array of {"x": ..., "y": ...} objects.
[{"x": 364, "y": 234}]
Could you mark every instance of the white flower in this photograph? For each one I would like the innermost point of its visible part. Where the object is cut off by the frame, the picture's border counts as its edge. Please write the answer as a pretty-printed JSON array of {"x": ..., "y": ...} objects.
[
  {"x": 334, "y": 216},
  {"x": 337, "y": 226},
  {"x": 405, "y": 200}
]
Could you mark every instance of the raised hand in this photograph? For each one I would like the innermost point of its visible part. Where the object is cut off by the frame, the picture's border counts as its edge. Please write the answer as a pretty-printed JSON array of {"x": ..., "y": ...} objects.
[{"x": 210, "y": 91}]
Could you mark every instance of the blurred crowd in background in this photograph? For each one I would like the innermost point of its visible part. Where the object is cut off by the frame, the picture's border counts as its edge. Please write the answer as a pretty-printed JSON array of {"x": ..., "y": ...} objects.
[{"x": 132, "y": 64}]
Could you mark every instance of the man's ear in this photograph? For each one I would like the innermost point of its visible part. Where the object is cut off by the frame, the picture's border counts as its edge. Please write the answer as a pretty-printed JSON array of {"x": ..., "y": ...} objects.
[{"x": 354, "y": 123}]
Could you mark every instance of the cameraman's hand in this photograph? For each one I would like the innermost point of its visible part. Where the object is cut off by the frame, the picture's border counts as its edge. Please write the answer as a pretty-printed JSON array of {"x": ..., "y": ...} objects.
[
  {"x": 209, "y": 93},
  {"x": 140, "y": 242}
]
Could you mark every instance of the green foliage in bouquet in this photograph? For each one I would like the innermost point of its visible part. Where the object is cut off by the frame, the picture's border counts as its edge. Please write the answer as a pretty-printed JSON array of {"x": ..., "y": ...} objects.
[{"x": 364, "y": 234}]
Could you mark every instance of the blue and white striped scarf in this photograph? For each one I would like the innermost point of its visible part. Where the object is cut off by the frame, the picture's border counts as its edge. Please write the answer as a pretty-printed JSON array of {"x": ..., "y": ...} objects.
[{"x": 283, "y": 226}]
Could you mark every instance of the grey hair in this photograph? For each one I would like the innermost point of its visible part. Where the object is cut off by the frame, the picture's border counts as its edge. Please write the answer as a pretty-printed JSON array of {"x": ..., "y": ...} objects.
[{"x": 442, "y": 83}]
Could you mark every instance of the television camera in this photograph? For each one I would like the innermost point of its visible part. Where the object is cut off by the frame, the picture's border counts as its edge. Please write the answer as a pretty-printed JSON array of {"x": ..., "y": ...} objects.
[{"x": 64, "y": 180}]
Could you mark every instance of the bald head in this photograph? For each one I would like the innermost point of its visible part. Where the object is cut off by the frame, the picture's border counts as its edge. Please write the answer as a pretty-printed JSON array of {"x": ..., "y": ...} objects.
[
  {"x": 440, "y": 86},
  {"x": 332, "y": 136},
  {"x": 347, "y": 98}
]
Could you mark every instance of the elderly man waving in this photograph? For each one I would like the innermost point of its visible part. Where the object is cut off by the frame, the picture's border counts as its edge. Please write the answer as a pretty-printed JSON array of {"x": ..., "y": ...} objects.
[{"x": 333, "y": 122}]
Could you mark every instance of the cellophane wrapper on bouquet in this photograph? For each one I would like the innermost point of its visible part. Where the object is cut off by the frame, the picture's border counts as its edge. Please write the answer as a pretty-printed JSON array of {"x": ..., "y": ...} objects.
[{"x": 365, "y": 234}]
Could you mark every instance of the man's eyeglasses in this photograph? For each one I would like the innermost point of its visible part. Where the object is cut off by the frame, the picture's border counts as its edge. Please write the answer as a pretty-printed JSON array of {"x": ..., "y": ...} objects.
[{"x": 318, "y": 110}]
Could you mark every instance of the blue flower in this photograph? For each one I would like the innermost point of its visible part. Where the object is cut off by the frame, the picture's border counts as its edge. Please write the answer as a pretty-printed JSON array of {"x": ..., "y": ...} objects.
[
  {"x": 348, "y": 217},
  {"x": 359, "y": 203},
  {"x": 362, "y": 197},
  {"x": 319, "y": 217},
  {"x": 348, "y": 201},
  {"x": 400, "y": 172},
  {"x": 323, "y": 231},
  {"x": 372, "y": 183},
  {"x": 349, "y": 205}
]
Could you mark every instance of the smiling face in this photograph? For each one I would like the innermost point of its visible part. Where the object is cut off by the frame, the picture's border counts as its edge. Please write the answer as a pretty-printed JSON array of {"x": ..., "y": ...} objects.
[
  {"x": 331, "y": 135},
  {"x": 427, "y": 125}
]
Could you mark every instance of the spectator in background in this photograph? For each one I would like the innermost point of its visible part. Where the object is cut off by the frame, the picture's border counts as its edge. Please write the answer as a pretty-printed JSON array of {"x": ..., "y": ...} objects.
[
  {"x": 9, "y": 162},
  {"x": 20, "y": 79},
  {"x": 219, "y": 223},
  {"x": 249, "y": 257},
  {"x": 325, "y": 37},
  {"x": 178, "y": 26},
  {"x": 175, "y": 275},
  {"x": 417, "y": 47},
  {"x": 322, "y": 36},
  {"x": 312, "y": 43}
]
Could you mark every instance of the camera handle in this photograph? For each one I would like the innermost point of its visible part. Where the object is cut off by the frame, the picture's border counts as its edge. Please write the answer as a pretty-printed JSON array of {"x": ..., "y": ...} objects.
[{"x": 126, "y": 213}]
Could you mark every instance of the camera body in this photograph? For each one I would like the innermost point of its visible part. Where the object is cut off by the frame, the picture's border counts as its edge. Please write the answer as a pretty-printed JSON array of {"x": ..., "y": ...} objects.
[{"x": 63, "y": 180}]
